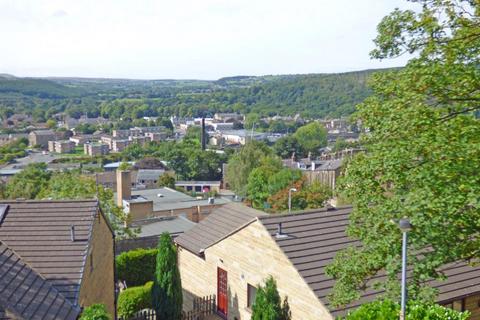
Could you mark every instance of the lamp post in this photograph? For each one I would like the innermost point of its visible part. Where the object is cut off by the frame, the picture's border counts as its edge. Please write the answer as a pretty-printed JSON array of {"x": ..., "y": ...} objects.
[
  {"x": 290, "y": 198},
  {"x": 405, "y": 227}
]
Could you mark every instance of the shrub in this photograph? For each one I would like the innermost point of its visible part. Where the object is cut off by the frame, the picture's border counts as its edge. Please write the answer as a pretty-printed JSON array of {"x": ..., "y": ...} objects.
[
  {"x": 95, "y": 312},
  {"x": 136, "y": 267},
  {"x": 389, "y": 310},
  {"x": 134, "y": 299}
]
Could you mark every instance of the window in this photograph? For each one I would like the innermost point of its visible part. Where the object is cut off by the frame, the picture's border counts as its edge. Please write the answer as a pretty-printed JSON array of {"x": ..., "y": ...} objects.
[
  {"x": 251, "y": 294},
  {"x": 459, "y": 305}
]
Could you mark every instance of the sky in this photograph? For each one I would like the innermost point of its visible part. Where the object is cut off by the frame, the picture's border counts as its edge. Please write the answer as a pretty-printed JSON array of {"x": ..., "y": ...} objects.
[{"x": 189, "y": 39}]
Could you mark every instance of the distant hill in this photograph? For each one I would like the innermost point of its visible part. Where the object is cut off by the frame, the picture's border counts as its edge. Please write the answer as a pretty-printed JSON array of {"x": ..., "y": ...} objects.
[
  {"x": 40, "y": 88},
  {"x": 312, "y": 95}
]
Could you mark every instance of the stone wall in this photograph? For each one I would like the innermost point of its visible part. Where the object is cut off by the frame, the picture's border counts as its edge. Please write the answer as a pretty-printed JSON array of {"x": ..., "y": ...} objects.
[{"x": 98, "y": 283}]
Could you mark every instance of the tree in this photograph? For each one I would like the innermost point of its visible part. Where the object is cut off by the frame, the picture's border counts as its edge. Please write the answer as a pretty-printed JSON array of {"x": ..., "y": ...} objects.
[
  {"x": 389, "y": 310},
  {"x": 242, "y": 163},
  {"x": 195, "y": 133},
  {"x": 28, "y": 183},
  {"x": 308, "y": 196},
  {"x": 258, "y": 180},
  {"x": 268, "y": 305},
  {"x": 422, "y": 156},
  {"x": 167, "y": 287},
  {"x": 51, "y": 123},
  {"x": 287, "y": 146},
  {"x": 311, "y": 137},
  {"x": 252, "y": 119},
  {"x": 166, "y": 180}
]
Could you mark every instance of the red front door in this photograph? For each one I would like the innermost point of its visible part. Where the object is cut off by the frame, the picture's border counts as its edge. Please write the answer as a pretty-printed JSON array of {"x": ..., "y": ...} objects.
[{"x": 222, "y": 295}]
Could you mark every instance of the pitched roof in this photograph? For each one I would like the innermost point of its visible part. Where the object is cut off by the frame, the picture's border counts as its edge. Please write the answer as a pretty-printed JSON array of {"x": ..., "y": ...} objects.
[
  {"x": 39, "y": 232},
  {"x": 218, "y": 225},
  {"x": 44, "y": 132},
  {"x": 28, "y": 295},
  {"x": 315, "y": 237}
]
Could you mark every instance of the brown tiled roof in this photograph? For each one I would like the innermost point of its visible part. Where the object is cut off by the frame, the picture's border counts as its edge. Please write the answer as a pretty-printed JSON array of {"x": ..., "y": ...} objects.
[
  {"x": 28, "y": 295},
  {"x": 218, "y": 225},
  {"x": 313, "y": 239},
  {"x": 39, "y": 232}
]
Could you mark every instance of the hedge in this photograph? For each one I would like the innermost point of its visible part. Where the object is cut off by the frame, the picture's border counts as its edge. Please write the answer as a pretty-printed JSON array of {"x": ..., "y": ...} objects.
[
  {"x": 95, "y": 312},
  {"x": 388, "y": 310},
  {"x": 134, "y": 299},
  {"x": 136, "y": 267}
]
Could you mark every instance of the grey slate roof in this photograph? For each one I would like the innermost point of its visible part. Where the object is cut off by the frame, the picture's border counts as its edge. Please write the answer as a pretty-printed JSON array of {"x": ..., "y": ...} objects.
[
  {"x": 218, "y": 225},
  {"x": 149, "y": 174},
  {"x": 26, "y": 294},
  {"x": 315, "y": 237},
  {"x": 39, "y": 232},
  {"x": 330, "y": 165},
  {"x": 156, "y": 226},
  {"x": 170, "y": 199}
]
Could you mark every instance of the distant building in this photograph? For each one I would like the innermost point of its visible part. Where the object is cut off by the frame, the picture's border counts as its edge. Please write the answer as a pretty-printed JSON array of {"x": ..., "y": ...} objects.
[
  {"x": 41, "y": 138},
  {"x": 236, "y": 137},
  {"x": 121, "y": 133},
  {"x": 7, "y": 138},
  {"x": 156, "y": 136},
  {"x": 199, "y": 186},
  {"x": 324, "y": 171},
  {"x": 228, "y": 117},
  {"x": 120, "y": 145},
  {"x": 115, "y": 165},
  {"x": 95, "y": 149},
  {"x": 138, "y": 139},
  {"x": 147, "y": 203},
  {"x": 221, "y": 126},
  {"x": 80, "y": 140},
  {"x": 61, "y": 146},
  {"x": 150, "y": 231},
  {"x": 148, "y": 178}
]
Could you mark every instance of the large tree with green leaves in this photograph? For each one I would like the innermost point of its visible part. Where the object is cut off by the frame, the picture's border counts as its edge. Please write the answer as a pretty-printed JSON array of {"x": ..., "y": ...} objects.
[
  {"x": 422, "y": 158},
  {"x": 243, "y": 162},
  {"x": 167, "y": 286},
  {"x": 311, "y": 137}
]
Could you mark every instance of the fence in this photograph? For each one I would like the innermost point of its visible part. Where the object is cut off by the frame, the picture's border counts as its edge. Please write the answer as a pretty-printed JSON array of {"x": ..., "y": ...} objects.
[{"x": 202, "y": 307}]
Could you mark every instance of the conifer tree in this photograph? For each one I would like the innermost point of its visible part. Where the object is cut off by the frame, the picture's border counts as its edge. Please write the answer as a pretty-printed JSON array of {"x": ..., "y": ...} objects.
[
  {"x": 268, "y": 305},
  {"x": 167, "y": 287}
]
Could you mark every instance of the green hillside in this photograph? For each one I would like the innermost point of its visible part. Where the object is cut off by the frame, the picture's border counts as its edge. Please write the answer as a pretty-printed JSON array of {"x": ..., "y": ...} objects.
[
  {"x": 35, "y": 87},
  {"x": 312, "y": 95}
]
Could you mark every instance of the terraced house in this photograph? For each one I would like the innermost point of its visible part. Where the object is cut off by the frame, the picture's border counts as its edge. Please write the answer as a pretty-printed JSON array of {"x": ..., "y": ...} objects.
[
  {"x": 56, "y": 257},
  {"x": 236, "y": 248}
]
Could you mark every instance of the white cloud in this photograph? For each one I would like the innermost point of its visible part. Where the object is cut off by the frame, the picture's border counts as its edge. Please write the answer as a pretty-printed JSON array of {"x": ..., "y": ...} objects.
[{"x": 188, "y": 38}]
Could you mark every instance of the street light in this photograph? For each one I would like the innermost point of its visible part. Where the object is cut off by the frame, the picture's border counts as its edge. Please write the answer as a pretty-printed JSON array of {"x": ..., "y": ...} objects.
[
  {"x": 290, "y": 198},
  {"x": 405, "y": 227}
]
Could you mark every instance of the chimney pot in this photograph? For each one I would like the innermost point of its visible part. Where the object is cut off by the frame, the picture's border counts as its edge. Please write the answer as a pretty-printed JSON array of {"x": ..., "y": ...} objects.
[{"x": 72, "y": 233}]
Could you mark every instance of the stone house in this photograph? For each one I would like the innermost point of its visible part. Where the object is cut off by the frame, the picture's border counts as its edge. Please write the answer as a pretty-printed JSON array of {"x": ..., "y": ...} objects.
[
  {"x": 41, "y": 138},
  {"x": 61, "y": 146},
  {"x": 236, "y": 248},
  {"x": 68, "y": 246},
  {"x": 95, "y": 149}
]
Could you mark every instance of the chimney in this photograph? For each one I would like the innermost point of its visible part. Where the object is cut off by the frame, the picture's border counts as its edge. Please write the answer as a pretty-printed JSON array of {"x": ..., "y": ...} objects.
[
  {"x": 204, "y": 142},
  {"x": 72, "y": 233},
  {"x": 124, "y": 186}
]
